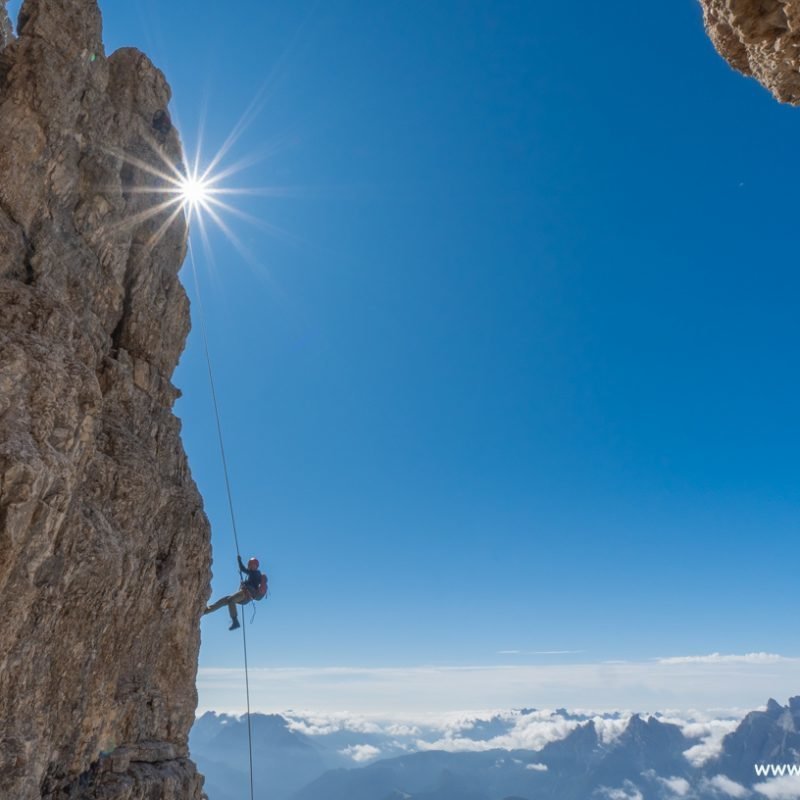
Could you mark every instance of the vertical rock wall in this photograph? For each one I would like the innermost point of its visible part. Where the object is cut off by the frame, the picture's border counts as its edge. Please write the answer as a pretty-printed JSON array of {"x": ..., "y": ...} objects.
[
  {"x": 104, "y": 546},
  {"x": 759, "y": 38},
  {"x": 5, "y": 25}
]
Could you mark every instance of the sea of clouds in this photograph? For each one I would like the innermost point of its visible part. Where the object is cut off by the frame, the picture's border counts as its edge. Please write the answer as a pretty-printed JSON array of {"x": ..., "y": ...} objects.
[{"x": 517, "y": 729}]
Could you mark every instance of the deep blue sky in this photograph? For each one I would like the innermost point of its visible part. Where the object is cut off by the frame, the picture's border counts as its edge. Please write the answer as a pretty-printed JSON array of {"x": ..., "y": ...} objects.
[{"x": 523, "y": 374}]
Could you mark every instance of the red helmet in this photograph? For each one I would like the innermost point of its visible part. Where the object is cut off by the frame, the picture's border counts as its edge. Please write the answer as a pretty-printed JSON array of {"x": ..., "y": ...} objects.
[{"x": 252, "y": 563}]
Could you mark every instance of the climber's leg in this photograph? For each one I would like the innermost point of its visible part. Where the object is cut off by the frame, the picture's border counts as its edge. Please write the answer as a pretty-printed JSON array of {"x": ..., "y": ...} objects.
[
  {"x": 241, "y": 598},
  {"x": 223, "y": 601}
]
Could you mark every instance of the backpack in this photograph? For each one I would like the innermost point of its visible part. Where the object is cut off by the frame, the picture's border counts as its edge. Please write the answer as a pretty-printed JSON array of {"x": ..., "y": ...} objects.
[{"x": 263, "y": 588}]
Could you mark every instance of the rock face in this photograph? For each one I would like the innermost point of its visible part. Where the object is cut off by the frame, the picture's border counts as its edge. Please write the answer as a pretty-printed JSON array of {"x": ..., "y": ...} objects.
[
  {"x": 5, "y": 25},
  {"x": 759, "y": 38},
  {"x": 104, "y": 546}
]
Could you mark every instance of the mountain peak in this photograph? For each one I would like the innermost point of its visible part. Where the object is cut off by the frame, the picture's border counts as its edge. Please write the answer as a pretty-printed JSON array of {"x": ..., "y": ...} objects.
[
  {"x": 774, "y": 708},
  {"x": 762, "y": 736}
]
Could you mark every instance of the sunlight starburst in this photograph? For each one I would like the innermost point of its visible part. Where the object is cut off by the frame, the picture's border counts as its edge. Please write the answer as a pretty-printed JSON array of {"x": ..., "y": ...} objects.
[
  {"x": 195, "y": 193},
  {"x": 181, "y": 189},
  {"x": 194, "y": 189}
]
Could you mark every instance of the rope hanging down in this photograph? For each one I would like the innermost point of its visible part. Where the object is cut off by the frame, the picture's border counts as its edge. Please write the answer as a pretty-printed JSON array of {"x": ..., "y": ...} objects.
[{"x": 201, "y": 316}]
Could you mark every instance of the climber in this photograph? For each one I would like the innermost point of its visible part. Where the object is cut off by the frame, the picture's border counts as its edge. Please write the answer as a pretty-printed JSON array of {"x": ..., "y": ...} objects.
[{"x": 253, "y": 587}]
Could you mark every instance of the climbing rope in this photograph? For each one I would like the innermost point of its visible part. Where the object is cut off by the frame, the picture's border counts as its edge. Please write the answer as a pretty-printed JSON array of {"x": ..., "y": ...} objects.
[{"x": 221, "y": 439}]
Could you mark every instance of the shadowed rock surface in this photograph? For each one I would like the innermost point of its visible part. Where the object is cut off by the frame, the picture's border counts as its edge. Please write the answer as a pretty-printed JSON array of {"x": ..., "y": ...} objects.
[
  {"x": 760, "y": 38},
  {"x": 104, "y": 546}
]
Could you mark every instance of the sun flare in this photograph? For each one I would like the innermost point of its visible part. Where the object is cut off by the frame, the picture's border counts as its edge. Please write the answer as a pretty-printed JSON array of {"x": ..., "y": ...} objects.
[
  {"x": 201, "y": 194},
  {"x": 194, "y": 192}
]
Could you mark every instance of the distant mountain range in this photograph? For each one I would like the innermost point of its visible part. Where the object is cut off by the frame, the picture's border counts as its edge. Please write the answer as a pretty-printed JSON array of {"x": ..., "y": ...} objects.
[{"x": 570, "y": 757}]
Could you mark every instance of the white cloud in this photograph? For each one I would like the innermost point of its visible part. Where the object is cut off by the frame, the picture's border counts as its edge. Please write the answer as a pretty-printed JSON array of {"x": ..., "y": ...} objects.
[
  {"x": 361, "y": 752},
  {"x": 324, "y": 724},
  {"x": 627, "y": 792},
  {"x": 711, "y": 733},
  {"x": 453, "y": 731},
  {"x": 680, "y": 787},
  {"x": 414, "y": 691},
  {"x": 718, "y": 658},
  {"x": 784, "y": 788},
  {"x": 529, "y": 731},
  {"x": 724, "y": 785},
  {"x": 537, "y": 767},
  {"x": 403, "y": 730},
  {"x": 556, "y": 652},
  {"x": 526, "y": 735},
  {"x": 610, "y": 728}
]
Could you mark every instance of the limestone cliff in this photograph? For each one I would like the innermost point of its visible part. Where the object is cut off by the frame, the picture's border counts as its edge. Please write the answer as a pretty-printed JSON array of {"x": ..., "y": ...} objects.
[
  {"x": 759, "y": 38},
  {"x": 104, "y": 546},
  {"x": 5, "y": 25}
]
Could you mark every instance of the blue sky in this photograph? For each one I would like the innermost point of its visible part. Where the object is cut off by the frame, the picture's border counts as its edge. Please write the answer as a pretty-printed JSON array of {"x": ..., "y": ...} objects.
[{"x": 518, "y": 371}]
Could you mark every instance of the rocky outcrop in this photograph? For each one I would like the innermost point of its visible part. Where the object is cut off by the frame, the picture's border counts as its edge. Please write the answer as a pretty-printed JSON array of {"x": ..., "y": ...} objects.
[
  {"x": 759, "y": 38},
  {"x": 5, "y": 25},
  {"x": 104, "y": 546}
]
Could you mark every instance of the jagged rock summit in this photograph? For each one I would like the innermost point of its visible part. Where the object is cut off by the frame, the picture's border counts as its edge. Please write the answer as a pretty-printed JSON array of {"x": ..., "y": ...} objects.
[
  {"x": 104, "y": 546},
  {"x": 760, "y": 38}
]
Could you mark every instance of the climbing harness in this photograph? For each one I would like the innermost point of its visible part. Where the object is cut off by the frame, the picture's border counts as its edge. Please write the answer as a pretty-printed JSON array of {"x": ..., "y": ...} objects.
[{"x": 201, "y": 316}]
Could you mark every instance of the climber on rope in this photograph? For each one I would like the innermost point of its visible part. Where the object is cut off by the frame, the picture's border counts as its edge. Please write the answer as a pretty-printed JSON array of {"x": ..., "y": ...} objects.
[{"x": 253, "y": 587}]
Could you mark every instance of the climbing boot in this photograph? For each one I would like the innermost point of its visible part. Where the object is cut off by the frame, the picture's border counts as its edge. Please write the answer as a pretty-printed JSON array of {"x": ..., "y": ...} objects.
[{"x": 234, "y": 625}]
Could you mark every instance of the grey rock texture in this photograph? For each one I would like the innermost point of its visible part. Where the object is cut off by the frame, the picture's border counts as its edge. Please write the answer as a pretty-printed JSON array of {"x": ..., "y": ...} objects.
[
  {"x": 6, "y": 33},
  {"x": 104, "y": 546},
  {"x": 760, "y": 38}
]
